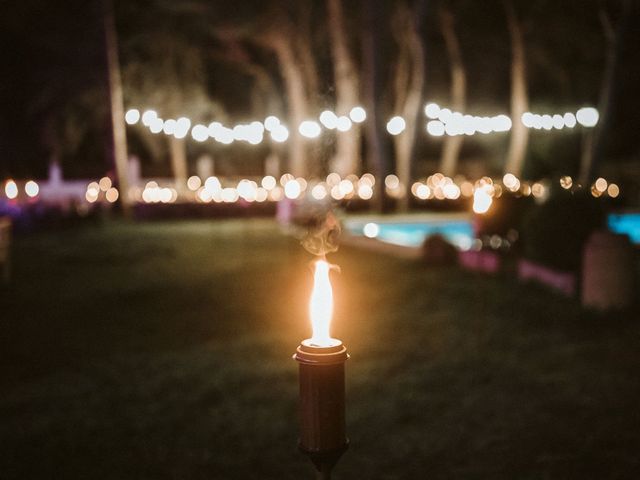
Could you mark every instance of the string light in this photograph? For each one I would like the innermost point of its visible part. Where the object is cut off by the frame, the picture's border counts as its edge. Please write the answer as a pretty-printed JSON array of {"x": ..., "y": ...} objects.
[{"x": 396, "y": 125}]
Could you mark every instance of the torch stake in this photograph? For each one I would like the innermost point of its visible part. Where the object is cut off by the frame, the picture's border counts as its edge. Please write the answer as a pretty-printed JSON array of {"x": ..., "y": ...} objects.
[{"x": 322, "y": 405}]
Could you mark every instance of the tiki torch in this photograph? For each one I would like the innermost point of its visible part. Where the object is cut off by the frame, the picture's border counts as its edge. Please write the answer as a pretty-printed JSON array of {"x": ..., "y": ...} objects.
[{"x": 322, "y": 394}]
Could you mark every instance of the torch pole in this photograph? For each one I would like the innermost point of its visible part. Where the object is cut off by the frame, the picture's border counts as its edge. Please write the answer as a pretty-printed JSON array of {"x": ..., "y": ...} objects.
[{"x": 322, "y": 405}]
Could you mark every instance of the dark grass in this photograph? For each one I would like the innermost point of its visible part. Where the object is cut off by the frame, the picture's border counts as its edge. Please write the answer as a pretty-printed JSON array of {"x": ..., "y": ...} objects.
[{"x": 163, "y": 351}]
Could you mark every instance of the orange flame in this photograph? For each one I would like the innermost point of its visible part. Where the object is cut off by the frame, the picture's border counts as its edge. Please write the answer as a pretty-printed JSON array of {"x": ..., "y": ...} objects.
[{"x": 321, "y": 306}]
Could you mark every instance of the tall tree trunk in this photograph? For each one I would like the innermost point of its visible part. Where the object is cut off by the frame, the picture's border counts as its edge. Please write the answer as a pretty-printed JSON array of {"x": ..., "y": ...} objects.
[
  {"x": 347, "y": 155},
  {"x": 519, "y": 97},
  {"x": 453, "y": 144},
  {"x": 593, "y": 143},
  {"x": 118, "y": 129},
  {"x": 409, "y": 92},
  {"x": 297, "y": 101},
  {"x": 375, "y": 137},
  {"x": 178, "y": 153}
]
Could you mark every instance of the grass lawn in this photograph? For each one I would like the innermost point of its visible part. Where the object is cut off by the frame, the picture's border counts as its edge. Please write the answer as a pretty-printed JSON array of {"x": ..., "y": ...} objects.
[{"x": 163, "y": 351}]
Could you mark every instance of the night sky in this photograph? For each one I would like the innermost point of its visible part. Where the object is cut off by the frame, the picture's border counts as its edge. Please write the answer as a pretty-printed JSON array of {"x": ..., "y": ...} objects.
[{"x": 53, "y": 94}]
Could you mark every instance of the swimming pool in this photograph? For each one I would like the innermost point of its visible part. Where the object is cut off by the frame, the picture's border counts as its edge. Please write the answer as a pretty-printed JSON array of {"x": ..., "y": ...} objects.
[
  {"x": 459, "y": 232},
  {"x": 626, "y": 223},
  {"x": 413, "y": 233}
]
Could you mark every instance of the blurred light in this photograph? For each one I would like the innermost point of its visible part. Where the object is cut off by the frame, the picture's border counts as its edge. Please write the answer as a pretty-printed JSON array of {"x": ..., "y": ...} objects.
[
  {"x": 268, "y": 182},
  {"x": 466, "y": 189},
  {"x": 309, "y": 129},
  {"x": 329, "y": 119},
  {"x": 261, "y": 194},
  {"x": 280, "y": 134},
  {"x": 451, "y": 191},
  {"x": 501, "y": 123},
  {"x": 587, "y": 116},
  {"x": 566, "y": 182},
  {"x": 183, "y": 124},
  {"x": 435, "y": 128},
  {"x": 481, "y": 201},
  {"x": 558, "y": 122},
  {"x": 292, "y": 189},
  {"x": 194, "y": 183},
  {"x": 371, "y": 230},
  {"x": 346, "y": 187},
  {"x": 423, "y": 191},
  {"x": 569, "y": 120},
  {"x": 319, "y": 192},
  {"x": 511, "y": 182},
  {"x": 547, "y": 122},
  {"x": 11, "y": 189},
  {"x": 214, "y": 129},
  {"x": 432, "y": 110},
  {"x": 286, "y": 178},
  {"x": 303, "y": 183},
  {"x": 613, "y": 190},
  {"x": 276, "y": 194},
  {"x": 528, "y": 119},
  {"x": 105, "y": 184},
  {"x": 601, "y": 185},
  {"x": 132, "y": 116},
  {"x": 156, "y": 125},
  {"x": 212, "y": 184},
  {"x": 369, "y": 179},
  {"x": 200, "y": 133},
  {"x": 204, "y": 195},
  {"x": 271, "y": 123},
  {"x": 225, "y": 136},
  {"x": 333, "y": 179},
  {"x": 336, "y": 194},
  {"x": 444, "y": 115},
  {"x": 537, "y": 190},
  {"x": 91, "y": 196},
  {"x": 169, "y": 127},
  {"x": 357, "y": 114},
  {"x": 31, "y": 188},
  {"x": 365, "y": 191},
  {"x": 396, "y": 125},
  {"x": 229, "y": 195},
  {"x": 247, "y": 189},
  {"x": 112, "y": 195},
  {"x": 343, "y": 124},
  {"x": 148, "y": 117},
  {"x": 392, "y": 181}
]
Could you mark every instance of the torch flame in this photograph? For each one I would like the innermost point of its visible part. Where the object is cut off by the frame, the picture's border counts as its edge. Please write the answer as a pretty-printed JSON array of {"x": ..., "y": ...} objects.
[{"x": 321, "y": 306}]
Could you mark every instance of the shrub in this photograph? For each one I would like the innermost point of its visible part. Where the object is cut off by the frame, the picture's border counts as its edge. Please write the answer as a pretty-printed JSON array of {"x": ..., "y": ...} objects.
[{"x": 554, "y": 232}]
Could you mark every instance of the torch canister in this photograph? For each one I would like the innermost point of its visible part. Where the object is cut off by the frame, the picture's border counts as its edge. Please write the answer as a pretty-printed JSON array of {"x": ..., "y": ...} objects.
[{"x": 322, "y": 402}]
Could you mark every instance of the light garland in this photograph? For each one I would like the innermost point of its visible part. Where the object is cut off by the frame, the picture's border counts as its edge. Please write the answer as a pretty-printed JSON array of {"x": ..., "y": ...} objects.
[
  {"x": 442, "y": 121},
  {"x": 269, "y": 189}
]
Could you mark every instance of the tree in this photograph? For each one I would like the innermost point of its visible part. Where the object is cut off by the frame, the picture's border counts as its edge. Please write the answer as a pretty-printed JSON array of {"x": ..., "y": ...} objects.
[
  {"x": 376, "y": 138},
  {"x": 453, "y": 144},
  {"x": 519, "y": 96},
  {"x": 119, "y": 136},
  {"x": 408, "y": 85},
  {"x": 279, "y": 36},
  {"x": 347, "y": 90},
  {"x": 594, "y": 141}
]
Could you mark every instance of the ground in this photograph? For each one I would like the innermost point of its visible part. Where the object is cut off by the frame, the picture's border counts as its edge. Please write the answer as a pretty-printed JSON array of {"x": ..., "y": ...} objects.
[{"x": 163, "y": 351}]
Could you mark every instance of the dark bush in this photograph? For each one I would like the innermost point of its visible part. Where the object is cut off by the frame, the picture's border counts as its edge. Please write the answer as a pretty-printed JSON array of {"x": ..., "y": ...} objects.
[
  {"x": 554, "y": 232},
  {"x": 506, "y": 213}
]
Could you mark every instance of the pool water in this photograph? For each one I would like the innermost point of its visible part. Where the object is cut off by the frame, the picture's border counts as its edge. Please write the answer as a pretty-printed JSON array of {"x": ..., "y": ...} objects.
[
  {"x": 626, "y": 223},
  {"x": 460, "y": 232},
  {"x": 457, "y": 232}
]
